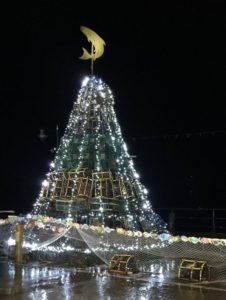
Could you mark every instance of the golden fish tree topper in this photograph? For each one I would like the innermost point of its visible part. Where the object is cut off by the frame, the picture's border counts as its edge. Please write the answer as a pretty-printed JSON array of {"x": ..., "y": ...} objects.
[{"x": 97, "y": 48}]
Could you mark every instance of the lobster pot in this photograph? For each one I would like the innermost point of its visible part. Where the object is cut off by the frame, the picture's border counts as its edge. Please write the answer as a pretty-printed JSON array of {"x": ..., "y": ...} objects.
[
  {"x": 193, "y": 270},
  {"x": 123, "y": 264}
]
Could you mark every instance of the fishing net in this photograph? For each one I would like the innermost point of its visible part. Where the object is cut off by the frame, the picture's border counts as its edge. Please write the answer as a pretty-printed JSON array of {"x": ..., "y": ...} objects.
[{"x": 72, "y": 242}]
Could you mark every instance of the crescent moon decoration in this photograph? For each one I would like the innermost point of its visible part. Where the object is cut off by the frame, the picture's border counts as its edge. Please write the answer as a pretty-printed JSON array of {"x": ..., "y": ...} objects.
[{"x": 97, "y": 42}]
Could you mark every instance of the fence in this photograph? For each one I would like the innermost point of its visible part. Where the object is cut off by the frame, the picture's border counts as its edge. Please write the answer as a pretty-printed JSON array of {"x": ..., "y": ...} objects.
[{"x": 194, "y": 220}]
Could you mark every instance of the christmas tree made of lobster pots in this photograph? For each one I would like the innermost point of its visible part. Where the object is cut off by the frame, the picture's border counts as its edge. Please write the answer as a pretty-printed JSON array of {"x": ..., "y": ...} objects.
[{"x": 92, "y": 178}]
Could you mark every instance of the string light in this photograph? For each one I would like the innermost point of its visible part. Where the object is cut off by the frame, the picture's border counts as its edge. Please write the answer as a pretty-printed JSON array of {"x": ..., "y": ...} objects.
[{"x": 92, "y": 146}]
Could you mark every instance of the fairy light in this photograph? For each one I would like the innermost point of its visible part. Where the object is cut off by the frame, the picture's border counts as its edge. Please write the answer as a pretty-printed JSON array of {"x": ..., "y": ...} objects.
[
  {"x": 45, "y": 183},
  {"x": 85, "y": 81},
  {"x": 93, "y": 141}
]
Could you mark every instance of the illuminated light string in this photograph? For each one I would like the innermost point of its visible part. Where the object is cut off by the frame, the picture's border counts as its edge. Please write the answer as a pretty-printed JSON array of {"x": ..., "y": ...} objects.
[
  {"x": 61, "y": 226},
  {"x": 104, "y": 239},
  {"x": 176, "y": 136},
  {"x": 96, "y": 96}
]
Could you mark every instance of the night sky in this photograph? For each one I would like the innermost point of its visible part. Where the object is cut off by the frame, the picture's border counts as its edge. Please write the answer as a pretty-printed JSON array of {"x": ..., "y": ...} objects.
[{"x": 166, "y": 67}]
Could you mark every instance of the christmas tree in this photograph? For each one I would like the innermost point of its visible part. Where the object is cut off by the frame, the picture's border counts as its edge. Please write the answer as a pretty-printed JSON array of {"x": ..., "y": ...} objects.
[{"x": 92, "y": 178}]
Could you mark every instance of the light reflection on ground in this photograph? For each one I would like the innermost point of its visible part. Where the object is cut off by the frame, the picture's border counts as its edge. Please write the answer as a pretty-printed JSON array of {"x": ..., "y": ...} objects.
[{"x": 47, "y": 282}]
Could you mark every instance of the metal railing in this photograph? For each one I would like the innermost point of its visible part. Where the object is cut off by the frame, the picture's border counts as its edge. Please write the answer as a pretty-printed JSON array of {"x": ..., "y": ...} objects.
[{"x": 208, "y": 220}]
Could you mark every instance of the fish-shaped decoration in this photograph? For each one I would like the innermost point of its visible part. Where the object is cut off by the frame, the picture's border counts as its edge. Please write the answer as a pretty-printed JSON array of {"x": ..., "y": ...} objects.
[{"x": 97, "y": 44}]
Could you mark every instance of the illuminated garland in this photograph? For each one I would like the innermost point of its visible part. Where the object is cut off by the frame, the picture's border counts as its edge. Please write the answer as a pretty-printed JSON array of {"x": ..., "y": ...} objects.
[
  {"x": 58, "y": 226},
  {"x": 93, "y": 141}
]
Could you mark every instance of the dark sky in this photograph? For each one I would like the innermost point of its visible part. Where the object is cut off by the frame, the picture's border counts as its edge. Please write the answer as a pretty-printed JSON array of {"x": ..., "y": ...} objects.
[{"x": 166, "y": 66}]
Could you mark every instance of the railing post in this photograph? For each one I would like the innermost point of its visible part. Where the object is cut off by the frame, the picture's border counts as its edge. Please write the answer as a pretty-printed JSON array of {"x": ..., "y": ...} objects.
[
  {"x": 172, "y": 221},
  {"x": 213, "y": 220}
]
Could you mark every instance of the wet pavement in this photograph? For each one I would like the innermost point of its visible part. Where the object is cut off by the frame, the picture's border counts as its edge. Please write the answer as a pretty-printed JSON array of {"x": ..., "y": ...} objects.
[{"x": 43, "y": 281}]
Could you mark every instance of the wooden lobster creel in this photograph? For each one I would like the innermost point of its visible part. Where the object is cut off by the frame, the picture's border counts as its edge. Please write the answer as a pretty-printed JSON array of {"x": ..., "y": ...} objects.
[
  {"x": 193, "y": 270},
  {"x": 123, "y": 264}
]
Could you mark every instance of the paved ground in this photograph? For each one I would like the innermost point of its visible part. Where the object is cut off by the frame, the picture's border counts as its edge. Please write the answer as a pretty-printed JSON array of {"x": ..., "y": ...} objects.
[{"x": 45, "y": 282}]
